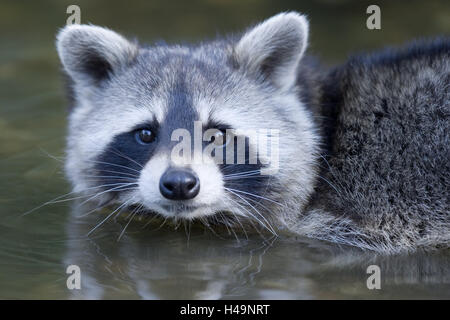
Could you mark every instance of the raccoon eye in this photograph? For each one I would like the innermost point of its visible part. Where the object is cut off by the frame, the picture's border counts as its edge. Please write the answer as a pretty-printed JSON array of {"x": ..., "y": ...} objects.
[{"x": 144, "y": 136}]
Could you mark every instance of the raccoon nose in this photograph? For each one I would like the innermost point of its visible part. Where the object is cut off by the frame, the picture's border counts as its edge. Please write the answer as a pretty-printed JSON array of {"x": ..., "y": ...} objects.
[{"x": 179, "y": 184}]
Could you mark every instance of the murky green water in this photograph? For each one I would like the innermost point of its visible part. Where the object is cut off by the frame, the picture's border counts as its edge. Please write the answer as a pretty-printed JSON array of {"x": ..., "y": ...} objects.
[{"x": 165, "y": 263}]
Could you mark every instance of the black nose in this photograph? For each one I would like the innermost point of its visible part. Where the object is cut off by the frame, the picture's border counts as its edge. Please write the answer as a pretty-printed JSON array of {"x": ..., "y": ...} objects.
[{"x": 179, "y": 184}]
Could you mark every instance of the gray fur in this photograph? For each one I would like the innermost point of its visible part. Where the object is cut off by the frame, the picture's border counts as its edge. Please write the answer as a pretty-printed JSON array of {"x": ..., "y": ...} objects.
[
  {"x": 353, "y": 169},
  {"x": 386, "y": 181}
]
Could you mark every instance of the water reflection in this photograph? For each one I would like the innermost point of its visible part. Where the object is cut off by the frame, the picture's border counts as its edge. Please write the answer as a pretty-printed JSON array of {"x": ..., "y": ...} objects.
[{"x": 163, "y": 263}]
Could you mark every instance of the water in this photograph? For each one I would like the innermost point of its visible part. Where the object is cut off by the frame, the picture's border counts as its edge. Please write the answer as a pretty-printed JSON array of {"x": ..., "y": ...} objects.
[{"x": 166, "y": 263}]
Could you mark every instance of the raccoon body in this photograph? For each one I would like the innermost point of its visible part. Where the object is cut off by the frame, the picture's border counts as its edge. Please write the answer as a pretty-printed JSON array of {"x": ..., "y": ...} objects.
[
  {"x": 386, "y": 182},
  {"x": 131, "y": 105}
]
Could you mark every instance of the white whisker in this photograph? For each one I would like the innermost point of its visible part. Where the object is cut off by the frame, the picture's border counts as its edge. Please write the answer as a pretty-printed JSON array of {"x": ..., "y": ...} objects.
[
  {"x": 121, "y": 185},
  {"x": 113, "y": 164},
  {"x": 268, "y": 226},
  {"x": 109, "y": 215},
  {"x": 242, "y": 173},
  {"x": 56, "y": 200},
  {"x": 254, "y": 195},
  {"x": 120, "y": 154},
  {"x": 236, "y": 217},
  {"x": 125, "y": 228},
  {"x": 251, "y": 216}
]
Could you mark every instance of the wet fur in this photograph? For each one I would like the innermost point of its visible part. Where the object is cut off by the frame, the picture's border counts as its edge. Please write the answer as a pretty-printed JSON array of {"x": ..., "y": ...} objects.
[
  {"x": 388, "y": 159},
  {"x": 364, "y": 154}
]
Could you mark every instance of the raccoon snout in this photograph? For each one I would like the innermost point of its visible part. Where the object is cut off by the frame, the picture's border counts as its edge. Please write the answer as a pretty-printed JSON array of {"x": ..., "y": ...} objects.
[{"x": 179, "y": 184}]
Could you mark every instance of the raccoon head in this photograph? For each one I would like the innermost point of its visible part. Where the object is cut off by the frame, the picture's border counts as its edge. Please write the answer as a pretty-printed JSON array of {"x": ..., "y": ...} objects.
[{"x": 133, "y": 106}]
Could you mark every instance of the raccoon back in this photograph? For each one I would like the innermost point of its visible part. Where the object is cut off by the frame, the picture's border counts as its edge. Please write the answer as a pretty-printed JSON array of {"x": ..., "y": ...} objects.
[{"x": 387, "y": 164}]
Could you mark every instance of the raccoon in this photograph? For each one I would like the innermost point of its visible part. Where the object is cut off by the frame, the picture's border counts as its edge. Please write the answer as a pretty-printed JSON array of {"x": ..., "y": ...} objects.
[{"x": 340, "y": 176}]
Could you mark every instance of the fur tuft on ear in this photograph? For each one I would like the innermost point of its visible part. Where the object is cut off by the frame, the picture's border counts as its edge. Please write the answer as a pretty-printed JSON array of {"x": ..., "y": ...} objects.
[
  {"x": 90, "y": 54},
  {"x": 273, "y": 48}
]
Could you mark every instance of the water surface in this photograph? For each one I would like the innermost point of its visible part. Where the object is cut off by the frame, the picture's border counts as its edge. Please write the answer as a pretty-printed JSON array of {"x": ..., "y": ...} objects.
[{"x": 158, "y": 263}]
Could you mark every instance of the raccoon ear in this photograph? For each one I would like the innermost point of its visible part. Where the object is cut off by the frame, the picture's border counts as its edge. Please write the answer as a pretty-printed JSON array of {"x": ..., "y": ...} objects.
[
  {"x": 273, "y": 48},
  {"x": 90, "y": 54}
]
